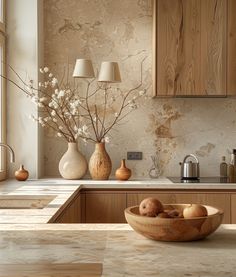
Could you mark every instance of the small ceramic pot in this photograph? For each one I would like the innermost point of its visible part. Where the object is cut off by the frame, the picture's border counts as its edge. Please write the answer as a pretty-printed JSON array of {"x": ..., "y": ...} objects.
[
  {"x": 21, "y": 174},
  {"x": 123, "y": 173}
]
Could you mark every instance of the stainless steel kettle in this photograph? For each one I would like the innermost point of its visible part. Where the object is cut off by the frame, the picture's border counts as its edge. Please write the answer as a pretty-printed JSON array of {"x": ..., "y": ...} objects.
[{"x": 190, "y": 169}]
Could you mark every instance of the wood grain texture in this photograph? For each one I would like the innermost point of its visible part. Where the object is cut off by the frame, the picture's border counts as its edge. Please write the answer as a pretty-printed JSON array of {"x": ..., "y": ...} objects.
[
  {"x": 178, "y": 45},
  {"x": 231, "y": 70},
  {"x": 100, "y": 164},
  {"x": 221, "y": 201},
  {"x": 218, "y": 200},
  {"x": 154, "y": 48},
  {"x": 83, "y": 207},
  {"x": 169, "y": 27},
  {"x": 52, "y": 270},
  {"x": 190, "y": 48},
  {"x": 233, "y": 208},
  {"x": 108, "y": 206},
  {"x": 136, "y": 198},
  {"x": 72, "y": 212},
  {"x": 213, "y": 47},
  {"x": 105, "y": 208}
]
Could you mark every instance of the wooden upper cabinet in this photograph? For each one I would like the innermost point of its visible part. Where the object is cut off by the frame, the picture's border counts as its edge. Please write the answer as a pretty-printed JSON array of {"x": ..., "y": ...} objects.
[
  {"x": 190, "y": 48},
  {"x": 231, "y": 70},
  {"x": 213, "y": 47},
  {"x": 178, "y": 47}
]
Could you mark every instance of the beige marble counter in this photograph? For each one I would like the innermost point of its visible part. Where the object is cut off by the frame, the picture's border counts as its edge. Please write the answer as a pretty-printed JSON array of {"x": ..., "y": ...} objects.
[
  {"x": 160, "y": 183},
  {"x": 60, "y": 193},
  {"x": 121, "y": 251},
  {"x": 62, "y": 190}
]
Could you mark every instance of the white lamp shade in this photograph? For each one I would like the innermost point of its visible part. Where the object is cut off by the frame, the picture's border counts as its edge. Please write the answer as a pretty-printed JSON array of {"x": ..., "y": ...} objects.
[
  {"x": 83, "y": 69},
  {"x": 109, "y": 72}
]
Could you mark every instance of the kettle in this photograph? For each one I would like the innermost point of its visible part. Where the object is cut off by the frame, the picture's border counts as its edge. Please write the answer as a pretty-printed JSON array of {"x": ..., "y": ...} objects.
[{"x": 190, "y": 169}]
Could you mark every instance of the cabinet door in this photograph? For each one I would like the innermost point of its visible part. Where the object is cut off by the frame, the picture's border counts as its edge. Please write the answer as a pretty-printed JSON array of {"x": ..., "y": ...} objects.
[
  {"x": 105, "y": 207},
  {"x": 218, "y": 200},
  {"x": 178, "y": 47},
  {"x": 221, "y": 201},
  {"x": 134, "y": 199},
  {"x": 231, "y": 71},
  {"x": 233, "y": 208},
  {"x": 213, "y": 47},
  {"x": 191, "y": 47},
  {"x": 71, "y": 213}
]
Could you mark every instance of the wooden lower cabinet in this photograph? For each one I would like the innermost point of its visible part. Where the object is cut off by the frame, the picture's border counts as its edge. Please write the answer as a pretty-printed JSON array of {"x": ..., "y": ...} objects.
[
  {"x": 220, "y": 200},
  {"x": 72, "y": 213},
  {"x": 135, "y": 198},
  {"x": 108, "y": 206},
  {"x": 233, "y": 208},
  {"x": 102, "y": 207}
]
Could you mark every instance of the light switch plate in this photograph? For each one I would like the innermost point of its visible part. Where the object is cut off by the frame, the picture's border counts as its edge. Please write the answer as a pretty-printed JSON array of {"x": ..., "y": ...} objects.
[{"x": 134, "y": 155}]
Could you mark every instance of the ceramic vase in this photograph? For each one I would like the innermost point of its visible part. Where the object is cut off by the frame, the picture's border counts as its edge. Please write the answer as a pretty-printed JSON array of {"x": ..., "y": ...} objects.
[
  {"x": 123, "y": 173},
  {"x": 100, "y": 163},
  {"x": 73, "y": 164}
]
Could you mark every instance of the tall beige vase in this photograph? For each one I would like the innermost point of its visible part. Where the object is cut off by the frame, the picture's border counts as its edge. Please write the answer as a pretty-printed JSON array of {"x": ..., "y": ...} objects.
[
  {"x": 73, "y": 164},
  {"x": 100, "y": 163}
]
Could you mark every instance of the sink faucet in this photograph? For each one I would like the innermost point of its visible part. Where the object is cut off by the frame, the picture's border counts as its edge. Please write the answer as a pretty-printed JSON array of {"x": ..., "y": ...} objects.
[{"x": 12, "y": 154}]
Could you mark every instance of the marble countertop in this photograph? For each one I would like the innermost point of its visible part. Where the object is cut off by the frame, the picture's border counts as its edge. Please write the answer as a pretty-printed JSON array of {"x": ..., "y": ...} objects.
[
  {"x": 63, "y": 190},
  {"x": 120, "y": 250},
  {"x": 60, "y": 194},
  {"x": 160, "y": 183}
]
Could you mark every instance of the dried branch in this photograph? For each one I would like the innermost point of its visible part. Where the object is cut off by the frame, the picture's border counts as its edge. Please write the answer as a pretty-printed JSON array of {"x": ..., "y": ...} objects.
[{"x": 73, "y": 116}]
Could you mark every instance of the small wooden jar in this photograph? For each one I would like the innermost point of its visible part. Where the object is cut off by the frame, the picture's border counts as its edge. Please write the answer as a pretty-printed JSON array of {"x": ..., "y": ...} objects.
[
  {"x": 123, "y": 173},
  {"x": 21, "y": 174}
]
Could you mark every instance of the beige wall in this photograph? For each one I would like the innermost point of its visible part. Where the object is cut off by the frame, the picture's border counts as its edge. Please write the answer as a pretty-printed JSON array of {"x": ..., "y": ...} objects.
[
  {"x": 122, "y": 31},
  {"x": 111, "y": 30}
]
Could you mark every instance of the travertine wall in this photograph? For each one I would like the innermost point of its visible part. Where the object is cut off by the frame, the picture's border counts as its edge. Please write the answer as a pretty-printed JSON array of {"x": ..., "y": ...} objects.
[{"x": 122, "y": 31}]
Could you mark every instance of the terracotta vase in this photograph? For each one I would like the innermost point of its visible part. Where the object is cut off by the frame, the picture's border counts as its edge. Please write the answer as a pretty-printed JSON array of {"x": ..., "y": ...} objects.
[
  {"x": 100, "y": 163},
  {"x": 73, "y": 164},
  {"x": 21, "y": 174},
  {"x": 123, "y": 173}
]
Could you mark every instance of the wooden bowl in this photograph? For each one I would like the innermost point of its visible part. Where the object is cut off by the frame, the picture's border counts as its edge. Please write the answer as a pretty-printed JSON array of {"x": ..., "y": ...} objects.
[{"x": 174, "y": 229}]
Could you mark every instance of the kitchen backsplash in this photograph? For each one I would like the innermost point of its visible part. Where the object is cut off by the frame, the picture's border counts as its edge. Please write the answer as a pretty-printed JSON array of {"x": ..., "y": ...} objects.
[{"x": 122, "y": 31}]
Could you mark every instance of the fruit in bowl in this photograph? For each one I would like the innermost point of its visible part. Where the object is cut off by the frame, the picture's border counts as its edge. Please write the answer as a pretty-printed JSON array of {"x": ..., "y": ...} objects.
[
  {"x": 150, "y": 207},
  {"x": 194, "y": 210},
  {"x": 174, "y": 222}
]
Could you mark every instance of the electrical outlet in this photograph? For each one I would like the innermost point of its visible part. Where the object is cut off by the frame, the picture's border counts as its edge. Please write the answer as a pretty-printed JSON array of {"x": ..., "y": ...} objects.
[{"x": 134, "y": 155}]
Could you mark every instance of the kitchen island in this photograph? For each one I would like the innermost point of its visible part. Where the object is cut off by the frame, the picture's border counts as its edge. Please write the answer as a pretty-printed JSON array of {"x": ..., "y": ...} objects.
[
  {"x": 114, "y": 250},
  {"x": 32, "y": 247}
]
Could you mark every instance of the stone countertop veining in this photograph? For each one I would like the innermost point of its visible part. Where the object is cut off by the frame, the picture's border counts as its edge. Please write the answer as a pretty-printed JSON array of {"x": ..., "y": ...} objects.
[
  {"x": 121, "y": 251},
  {"x": 62, "y": 191},
  {"x": 60, "y": 194}
]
